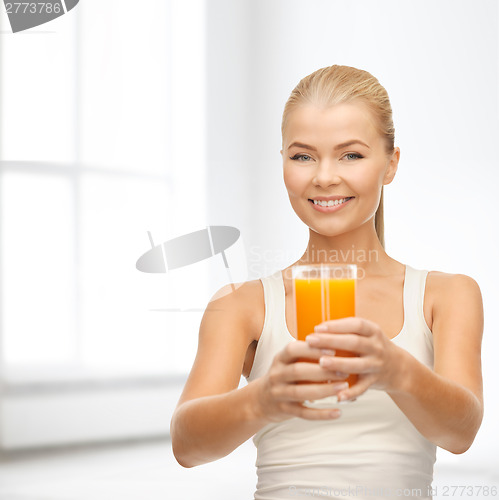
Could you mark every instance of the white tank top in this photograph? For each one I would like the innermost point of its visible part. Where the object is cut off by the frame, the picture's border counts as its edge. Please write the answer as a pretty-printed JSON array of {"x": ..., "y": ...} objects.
[{"x": 372, "y": 450}]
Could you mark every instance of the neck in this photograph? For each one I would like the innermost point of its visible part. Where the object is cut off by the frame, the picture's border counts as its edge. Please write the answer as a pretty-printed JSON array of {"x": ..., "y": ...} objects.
[{"x": 360, "y": 246}]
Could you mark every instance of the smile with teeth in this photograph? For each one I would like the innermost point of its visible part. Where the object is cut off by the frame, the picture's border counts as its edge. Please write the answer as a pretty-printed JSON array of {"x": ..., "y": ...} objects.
[{"x": 330, "y": 203}]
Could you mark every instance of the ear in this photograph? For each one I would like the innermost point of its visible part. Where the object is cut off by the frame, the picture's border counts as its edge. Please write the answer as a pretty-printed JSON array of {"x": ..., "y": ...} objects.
[{"x": 392, "y": 166}]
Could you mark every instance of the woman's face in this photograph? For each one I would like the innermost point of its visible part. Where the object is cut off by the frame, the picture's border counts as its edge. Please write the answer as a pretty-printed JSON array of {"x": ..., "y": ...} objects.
[{"x": 318, "y": 164}]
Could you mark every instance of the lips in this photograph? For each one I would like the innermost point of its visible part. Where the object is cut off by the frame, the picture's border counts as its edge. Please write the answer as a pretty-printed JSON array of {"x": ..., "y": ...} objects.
[{"x": 331, "y": 205}]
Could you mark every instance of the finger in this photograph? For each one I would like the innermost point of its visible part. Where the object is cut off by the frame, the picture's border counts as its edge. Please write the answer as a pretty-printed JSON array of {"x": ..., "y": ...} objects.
[
  {"x": 354, "y": 364},
  {"x": 361, "y": 326},
  {"x": 345, "y": 341},
  {"x": 299, "y": 349},
  {"x": 355, "y": 390},
  {"x": 306, "y": 371},
  {"x": 298, "y": 410},
  {"x": 304, "y": 392}
]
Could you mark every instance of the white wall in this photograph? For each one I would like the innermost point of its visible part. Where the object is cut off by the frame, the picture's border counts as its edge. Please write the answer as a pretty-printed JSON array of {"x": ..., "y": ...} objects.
[{"x": 439, "y": 64}]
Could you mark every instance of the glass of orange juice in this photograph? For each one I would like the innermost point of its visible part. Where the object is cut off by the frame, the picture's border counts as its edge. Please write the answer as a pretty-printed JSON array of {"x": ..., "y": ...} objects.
[{"x": 323, "y": 292}]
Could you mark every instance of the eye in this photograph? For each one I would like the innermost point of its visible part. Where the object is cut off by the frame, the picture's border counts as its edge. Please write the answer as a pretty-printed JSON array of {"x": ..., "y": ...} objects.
[
  {"x": 353, "y": 156},
  {"x": 300, "y": 157}
]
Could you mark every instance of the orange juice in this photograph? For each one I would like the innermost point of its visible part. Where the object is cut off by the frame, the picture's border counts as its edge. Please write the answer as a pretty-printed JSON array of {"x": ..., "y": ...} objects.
[{"x": 321, "y": 299}]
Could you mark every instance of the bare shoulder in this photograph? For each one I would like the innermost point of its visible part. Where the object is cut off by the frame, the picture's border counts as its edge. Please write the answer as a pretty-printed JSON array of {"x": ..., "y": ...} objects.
[
  {"x": 245, "y": 299},
  {"x": 454, "y": 298},
  {"x": 446, "y": 286}
]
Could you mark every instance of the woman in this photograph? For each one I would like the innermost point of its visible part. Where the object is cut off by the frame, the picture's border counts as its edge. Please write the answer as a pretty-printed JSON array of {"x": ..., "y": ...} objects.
[{"x": 417, "y": 333}]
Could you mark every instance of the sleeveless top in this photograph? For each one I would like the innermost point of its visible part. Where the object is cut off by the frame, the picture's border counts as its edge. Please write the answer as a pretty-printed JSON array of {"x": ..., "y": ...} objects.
[{"x": 372, "y": 450}]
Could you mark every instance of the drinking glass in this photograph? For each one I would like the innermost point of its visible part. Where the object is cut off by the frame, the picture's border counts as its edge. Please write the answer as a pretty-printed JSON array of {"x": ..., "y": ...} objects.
[{"x": 324, "y": 292}]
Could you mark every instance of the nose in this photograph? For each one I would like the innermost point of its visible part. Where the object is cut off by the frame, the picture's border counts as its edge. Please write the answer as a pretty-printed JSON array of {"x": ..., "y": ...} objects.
[{"x": 326, "y": 173}]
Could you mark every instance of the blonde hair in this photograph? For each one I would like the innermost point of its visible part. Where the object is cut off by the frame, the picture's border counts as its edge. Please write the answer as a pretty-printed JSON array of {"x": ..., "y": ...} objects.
[{"x": 341, "y": 84}]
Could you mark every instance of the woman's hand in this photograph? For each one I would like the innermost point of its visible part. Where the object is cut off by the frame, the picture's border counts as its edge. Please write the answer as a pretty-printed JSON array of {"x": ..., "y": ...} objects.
[
  {"x": 377, "y": 363},
  {"x": 284, "y": 388}
]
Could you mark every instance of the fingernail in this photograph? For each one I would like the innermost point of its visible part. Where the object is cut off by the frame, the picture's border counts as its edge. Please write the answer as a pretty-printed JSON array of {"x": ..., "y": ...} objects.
[
  {"x": 344, "y": 398},
  {"x": 320, "y": 328},
  {"x": 335, "y": 413},
  {"x": 312, "y": 339},
  {"x": 330, "y": 352},
  {"x": 341, "y": 386},
  {"x": 325, "y": 361}
]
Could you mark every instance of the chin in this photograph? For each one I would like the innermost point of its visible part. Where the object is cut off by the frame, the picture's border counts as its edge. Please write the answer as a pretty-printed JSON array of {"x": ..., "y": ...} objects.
[
  {"x": 327, "y": 234},
  {"x": 326, "y": 229}
]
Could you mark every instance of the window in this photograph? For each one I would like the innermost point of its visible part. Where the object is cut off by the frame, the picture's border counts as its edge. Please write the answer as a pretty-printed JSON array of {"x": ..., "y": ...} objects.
[{"x": 100, "y": 109}]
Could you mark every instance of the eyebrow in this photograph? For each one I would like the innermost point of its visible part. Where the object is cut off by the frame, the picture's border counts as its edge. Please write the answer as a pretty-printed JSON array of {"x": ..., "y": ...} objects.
[{"x": 338, "y": 146}]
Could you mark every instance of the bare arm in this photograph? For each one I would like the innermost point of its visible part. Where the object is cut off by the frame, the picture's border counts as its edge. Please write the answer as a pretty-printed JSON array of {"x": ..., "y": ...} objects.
[
  {"x": 214, "y": 416},
  {"x": 210, "y": 427},
  {"x": 446, "y": 404}
]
